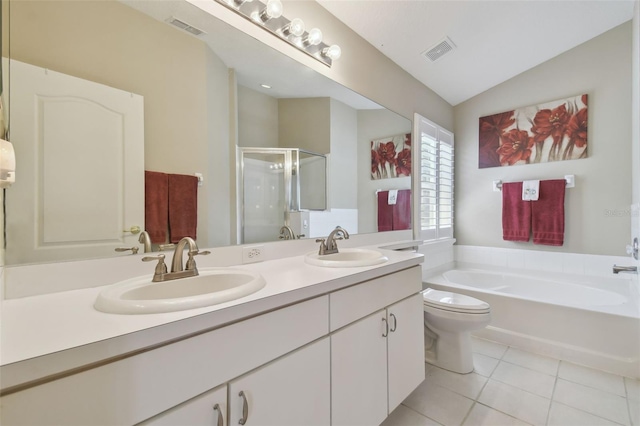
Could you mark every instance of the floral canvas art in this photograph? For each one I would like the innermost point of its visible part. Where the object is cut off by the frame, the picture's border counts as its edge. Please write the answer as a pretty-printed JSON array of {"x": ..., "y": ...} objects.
[
  {"x": 553, "y": 131},
  {"x": 391, "y": 157}
]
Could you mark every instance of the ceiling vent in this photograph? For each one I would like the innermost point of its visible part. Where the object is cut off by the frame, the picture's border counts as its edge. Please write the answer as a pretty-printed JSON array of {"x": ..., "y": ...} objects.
[
  {"x": 184, "y": 26},
  {"x": 443, "y": 47}
]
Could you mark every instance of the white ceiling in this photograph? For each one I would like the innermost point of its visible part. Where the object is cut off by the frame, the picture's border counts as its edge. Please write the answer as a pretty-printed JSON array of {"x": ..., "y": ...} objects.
[{"x": 495, "y": 40}]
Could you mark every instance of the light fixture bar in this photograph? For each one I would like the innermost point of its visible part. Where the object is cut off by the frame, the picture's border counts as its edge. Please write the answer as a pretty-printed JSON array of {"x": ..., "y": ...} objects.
[{"x": 280, "y": 26}]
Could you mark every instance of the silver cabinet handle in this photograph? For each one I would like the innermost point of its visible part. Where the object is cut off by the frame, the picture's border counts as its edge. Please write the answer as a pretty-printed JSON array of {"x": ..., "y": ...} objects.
[
  {"x": 385, "y": 333},
  {"x": 395, "y": 322},
  {"x": 245, "y": 408},
  {"x": 220, "y": 421}
]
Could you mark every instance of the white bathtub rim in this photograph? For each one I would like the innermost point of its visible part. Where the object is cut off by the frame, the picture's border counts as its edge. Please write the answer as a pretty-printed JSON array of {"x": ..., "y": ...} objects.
[{"x": 631, "y": 307}]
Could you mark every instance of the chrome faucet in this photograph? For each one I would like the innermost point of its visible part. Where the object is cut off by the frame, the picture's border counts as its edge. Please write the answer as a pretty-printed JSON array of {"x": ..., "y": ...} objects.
[
  {"x": 632, "y": 269},
  {"x": 286, "y": 233},
  {"x": 330, "y": 246},
  {"x": 177, "y": 270},
  {"x": 145, "y": 240}
]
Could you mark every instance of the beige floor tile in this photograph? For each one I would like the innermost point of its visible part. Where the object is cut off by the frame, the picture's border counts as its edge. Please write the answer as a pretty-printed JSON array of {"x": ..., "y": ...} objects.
[
  {"x": 405, "y": 416},
  {"x": 440, "y": 404}
]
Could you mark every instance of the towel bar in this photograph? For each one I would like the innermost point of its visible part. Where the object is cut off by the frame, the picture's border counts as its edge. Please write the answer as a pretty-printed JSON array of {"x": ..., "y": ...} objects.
[{"x": 570, "y": 179}]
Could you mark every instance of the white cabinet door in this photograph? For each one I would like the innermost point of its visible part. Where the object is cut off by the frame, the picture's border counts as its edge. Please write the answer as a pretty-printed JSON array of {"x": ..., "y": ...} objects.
[
  {"x": 405, "y": 349},
  {"x": 291, "y": 391},
  {"x": 208, "y": 409},
  {"x": 359, "y": 372}
]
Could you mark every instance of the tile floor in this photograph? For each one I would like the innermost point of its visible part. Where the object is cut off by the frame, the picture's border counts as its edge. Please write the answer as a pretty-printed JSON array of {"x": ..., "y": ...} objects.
[{"x": 514, "y": 387}]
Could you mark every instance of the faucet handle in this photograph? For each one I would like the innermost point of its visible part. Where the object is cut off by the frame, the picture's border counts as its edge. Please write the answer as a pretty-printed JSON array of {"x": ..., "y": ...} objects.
[
  {"x": 191, "y": 263},
  {"x": 134, "y": 249},
  {"x": 161, "y": 267}
]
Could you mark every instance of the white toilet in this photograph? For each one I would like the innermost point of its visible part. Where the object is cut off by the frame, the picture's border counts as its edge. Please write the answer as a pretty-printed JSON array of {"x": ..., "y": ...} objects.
[{"x": 449, "y": 319}]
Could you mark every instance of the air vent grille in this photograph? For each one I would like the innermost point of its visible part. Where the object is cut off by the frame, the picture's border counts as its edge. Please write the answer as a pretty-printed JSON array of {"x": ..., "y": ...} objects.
[
  {"x": 184, "y": 26},
  {"x": 439, "y": 50}
]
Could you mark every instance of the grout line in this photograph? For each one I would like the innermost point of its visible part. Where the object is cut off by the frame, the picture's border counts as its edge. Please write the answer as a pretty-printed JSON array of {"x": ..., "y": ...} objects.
[
  {"x": 464, "y": 419},
  {"x": 418, "y": 412},
  {"x": 553, "y": 393},
  {"x": 590, "y": 414},
  {"x": 626, "y": 394},
  {"x": 502, "y": 412}
]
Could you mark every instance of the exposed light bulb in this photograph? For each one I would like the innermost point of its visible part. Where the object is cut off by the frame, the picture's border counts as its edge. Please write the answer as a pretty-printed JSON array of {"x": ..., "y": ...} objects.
[
  {"x": 295, "y": 27},
  {"x": 273, "y": 10},
  {"x": 314, "y": 37},
  {"x": 332, "y": 52}
]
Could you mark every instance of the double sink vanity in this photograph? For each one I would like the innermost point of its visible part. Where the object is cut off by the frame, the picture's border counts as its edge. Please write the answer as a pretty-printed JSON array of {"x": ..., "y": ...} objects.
[{"x": 332, "y": 339}]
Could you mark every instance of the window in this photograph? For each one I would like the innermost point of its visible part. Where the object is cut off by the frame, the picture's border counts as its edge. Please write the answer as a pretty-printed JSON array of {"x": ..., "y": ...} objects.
[{"x": 434, "y": 179}]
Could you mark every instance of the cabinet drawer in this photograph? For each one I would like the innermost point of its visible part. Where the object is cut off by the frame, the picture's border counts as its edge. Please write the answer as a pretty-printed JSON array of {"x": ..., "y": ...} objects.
[
  {"x": 358, "y": 301},
  {"x": 139, "y": 387},
  {"x": 209, "y": 409}
]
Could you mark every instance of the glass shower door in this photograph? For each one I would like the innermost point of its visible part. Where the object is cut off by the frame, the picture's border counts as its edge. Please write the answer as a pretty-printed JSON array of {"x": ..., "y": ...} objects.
[{"x": 266, "y": 195}]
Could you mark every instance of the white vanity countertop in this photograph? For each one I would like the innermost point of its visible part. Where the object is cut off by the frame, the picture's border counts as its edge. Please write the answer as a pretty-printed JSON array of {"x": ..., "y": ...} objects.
[{"x": 45, "y": 335}]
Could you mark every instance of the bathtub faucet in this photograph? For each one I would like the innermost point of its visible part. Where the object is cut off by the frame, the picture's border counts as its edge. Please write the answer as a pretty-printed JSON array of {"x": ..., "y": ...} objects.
[{"x": 631, "y": 269}]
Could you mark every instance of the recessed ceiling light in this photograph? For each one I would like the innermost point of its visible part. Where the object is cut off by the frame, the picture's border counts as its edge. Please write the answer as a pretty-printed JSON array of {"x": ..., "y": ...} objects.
[{"x": 266, "y": 86}]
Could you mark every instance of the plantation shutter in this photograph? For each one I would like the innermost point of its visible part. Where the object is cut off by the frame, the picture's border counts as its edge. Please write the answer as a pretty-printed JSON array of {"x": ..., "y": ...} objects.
[{"x": 436, "y": 160}]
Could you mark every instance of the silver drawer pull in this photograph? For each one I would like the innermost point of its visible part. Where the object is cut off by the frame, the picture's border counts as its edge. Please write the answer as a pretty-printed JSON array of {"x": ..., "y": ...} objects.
[
  {"x": 245, "y": 408},
  {"x": 395, "y": 323},
  {"x": 220, "y": 421},
  {"x": 385, "y": 333}
]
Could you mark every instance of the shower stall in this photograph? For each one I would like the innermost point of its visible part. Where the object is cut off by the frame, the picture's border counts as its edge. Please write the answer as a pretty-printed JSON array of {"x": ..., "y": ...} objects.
[{"x": 275, "y": 184}]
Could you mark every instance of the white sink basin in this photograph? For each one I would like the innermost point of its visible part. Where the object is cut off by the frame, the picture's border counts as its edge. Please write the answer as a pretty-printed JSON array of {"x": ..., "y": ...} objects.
[
  {"x": 347, "y": 258},
  {"x": 213, "y": 285}
]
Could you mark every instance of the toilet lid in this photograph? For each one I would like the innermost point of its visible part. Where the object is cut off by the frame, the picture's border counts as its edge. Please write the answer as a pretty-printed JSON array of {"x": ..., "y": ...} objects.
[{"x": 454, "y": 302}]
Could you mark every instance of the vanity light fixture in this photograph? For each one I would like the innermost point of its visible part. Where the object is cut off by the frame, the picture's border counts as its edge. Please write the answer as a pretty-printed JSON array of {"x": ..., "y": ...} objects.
[
  {"x": 268, "y": 15},
  {"x": 332, "y": 52},
  {"x": 313, "y": 38},
  {"x": 272, "y": 10},
  {"x": 295, "y": 27},
  {"x": 238, "y": 3}
]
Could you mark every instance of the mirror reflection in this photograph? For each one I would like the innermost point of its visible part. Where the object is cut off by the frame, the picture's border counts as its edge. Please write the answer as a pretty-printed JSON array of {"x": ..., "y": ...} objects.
[{"x": 80, "y": 189}]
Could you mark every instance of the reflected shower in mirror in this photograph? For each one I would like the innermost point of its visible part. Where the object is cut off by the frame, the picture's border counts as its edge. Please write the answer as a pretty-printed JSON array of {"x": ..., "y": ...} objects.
[{"x": 184, "y": 81}]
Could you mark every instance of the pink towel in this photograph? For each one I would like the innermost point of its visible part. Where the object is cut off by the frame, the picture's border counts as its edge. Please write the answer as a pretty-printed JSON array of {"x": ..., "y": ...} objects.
[
  {"x": 385, "y": 212},
  {"x": 402, "y": 210},
  {"x": 516, "y": 214},
  {"x": 156, "y": 206},
  {"x": 547, "y": 214},
  {"x": 183, "y": 207}
]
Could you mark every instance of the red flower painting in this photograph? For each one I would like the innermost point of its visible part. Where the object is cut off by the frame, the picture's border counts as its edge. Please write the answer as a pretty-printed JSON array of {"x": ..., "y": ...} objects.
[
  {"x": 549, "y": 132},
  {"x": 391, "y": 157}
]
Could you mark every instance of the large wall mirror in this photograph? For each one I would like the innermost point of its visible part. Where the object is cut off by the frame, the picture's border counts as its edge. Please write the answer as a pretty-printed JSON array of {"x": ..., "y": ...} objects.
[{"x": 173, "y": 102}]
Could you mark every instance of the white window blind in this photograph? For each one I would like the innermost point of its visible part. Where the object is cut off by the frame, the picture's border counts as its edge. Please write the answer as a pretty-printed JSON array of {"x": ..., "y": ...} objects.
[{"x": 435, "y": 152}]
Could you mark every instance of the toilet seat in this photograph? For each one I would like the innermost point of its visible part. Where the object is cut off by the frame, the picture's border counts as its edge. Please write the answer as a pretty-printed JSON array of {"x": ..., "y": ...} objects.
[{"x": 454, "y": 302}]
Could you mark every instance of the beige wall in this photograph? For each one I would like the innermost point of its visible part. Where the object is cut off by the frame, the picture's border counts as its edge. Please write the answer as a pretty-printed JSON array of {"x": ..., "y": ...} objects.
[
  {"x": 602, "y": 69},
  {"x": 375, "y": 124},
  {"x": 304, "y": 123},
  {"x": 258, "y": 119},
  {"x": 343, "y": 171},
  {"x": 185, "y": 87}
]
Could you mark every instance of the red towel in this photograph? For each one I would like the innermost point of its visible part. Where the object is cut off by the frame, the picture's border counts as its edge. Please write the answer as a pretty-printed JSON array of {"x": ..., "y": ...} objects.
[
  {"x": 156, "y": 206},
  {"x": 402, "y": 210},
  {"x": 547, "y": 214},
  {"x": 385, "y": 212},
  {"x": 183, "y": 207},
  {"x": 516, "y": 214}
]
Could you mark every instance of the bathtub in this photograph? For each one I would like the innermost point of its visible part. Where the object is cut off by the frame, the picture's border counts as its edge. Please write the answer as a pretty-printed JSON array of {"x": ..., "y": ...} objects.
[{"x": 593, "y": 321}]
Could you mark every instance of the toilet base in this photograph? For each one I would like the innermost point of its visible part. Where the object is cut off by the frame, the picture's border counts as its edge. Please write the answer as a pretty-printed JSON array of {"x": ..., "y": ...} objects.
[{"x": 451, "y": 351}]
